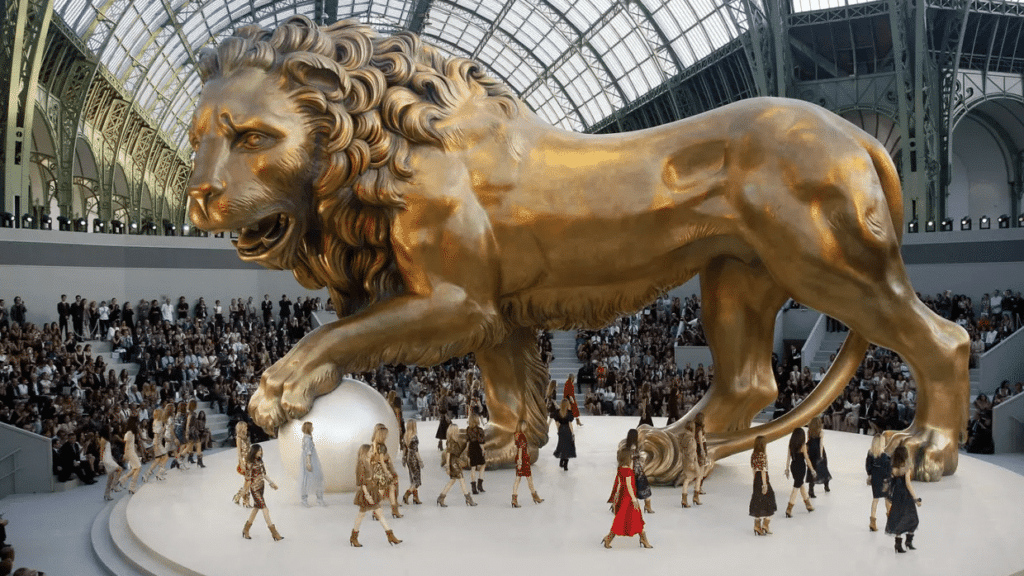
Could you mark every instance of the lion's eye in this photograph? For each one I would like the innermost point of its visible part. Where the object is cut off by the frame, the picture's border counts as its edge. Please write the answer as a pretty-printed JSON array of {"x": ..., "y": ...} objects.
[{"x": 254, "y": 140}]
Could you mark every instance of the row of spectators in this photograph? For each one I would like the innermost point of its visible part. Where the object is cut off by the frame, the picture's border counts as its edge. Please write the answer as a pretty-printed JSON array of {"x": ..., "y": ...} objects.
[
  {"x": 52, "y": 384},
  {"x": 979, "y": 428}
]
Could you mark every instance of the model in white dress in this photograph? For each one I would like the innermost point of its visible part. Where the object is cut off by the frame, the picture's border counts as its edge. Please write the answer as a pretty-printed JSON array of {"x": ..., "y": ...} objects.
[
  {"x": 131, "y": 459},
  {"x": 312, "y": 473},
  {"x": 110, "y": 467}
]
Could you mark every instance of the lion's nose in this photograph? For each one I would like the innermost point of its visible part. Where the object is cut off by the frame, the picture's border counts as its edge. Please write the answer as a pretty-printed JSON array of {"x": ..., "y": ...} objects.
[{"x": 209, "y": 188}]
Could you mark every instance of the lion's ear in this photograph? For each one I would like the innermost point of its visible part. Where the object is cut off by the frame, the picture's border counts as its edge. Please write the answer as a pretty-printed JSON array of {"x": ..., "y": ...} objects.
[{"x": 318, "y": 72}]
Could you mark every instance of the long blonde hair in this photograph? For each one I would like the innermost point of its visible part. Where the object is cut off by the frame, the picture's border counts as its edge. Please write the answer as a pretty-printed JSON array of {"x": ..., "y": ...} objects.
[
  {"x": 564, "y": 408},
  {"x": 877, "y": 445},
  {"x": 380, "y": 434},
  {"x": 410, "y": 432}
]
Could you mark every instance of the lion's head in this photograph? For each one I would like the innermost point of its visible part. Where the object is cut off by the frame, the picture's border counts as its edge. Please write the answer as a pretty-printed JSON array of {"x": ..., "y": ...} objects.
[{"x": 302, "y": 136}]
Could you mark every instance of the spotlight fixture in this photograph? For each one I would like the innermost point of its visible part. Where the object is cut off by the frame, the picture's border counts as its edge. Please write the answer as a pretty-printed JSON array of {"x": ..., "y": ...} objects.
[
  {"x": 912, "y": 226},
  {"x": 98, "y": 226},
  {"x": 133, "y": 228},
  {"x": 64, "y": 223},
  {"x": 27, "y": 221},
  {"x": 965, "y": 223},
  {"x": 169, "y": 228},
  {"x": 929, "y": 226},
  {"x": 117, "y": 227},
  {"x": 149, "y": 227},
  {"x": 45, "y": 222},
  {"x": 6, "y": 220},
  {"x": 1004, "y": 221},
  {"x": 218, "y": 235},
  {"x": 984, "y": 223},
  {"x": 80, "y": 225},
  {"x": 1020, "y": 220},
  {"x": 185, "y": 229},
  {"x": 946, "y": 225}
]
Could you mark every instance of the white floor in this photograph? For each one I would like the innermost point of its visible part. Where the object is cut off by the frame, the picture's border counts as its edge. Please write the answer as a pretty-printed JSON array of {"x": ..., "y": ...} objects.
[{"x": 970, "y": 523}]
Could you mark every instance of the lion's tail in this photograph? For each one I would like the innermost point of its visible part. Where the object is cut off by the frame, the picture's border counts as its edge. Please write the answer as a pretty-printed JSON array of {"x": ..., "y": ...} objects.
[{"x": 850, "y": 355}]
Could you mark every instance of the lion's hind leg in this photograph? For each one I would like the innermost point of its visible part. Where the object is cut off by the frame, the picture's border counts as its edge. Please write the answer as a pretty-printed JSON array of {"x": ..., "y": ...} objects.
[
  {"x": 514, "y": 380},
  {"x": 866, "y": 287},
  {"x": 739, "y": 305}
]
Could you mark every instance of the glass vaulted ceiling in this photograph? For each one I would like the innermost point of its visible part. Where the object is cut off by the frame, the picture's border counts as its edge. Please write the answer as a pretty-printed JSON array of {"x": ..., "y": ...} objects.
[{"x": 573, "y": 61}]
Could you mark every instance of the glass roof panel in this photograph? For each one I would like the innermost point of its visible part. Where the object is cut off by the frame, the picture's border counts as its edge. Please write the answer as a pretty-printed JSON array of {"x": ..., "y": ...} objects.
[
  {"x": 621, "y": 66},
  {"x": 808, "y": 5}
]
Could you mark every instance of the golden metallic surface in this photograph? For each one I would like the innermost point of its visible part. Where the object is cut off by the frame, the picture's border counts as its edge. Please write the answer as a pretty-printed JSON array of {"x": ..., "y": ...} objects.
[{"x": 445, "y": 218}]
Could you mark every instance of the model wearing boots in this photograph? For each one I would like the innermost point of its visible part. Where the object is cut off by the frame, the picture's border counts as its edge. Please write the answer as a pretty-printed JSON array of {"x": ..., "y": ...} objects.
[
  {"x": 372, "y": 482},
  {"x": 902, "y": 519},
  {"x": 475, "y": 451},
  {"x": 242, "y": 445},
  {"x": 523, "y": 465},
  {"x": 703, "y": 457},
  {"x": 879, "y": 469},
  {"x": 130, "y": 480},
  {"x": 629, "y": 521},
  {"x": 762, "y": 499},
  {"x": 818, "y": 456},
  {"x": 312, "y": 478},
  {"x": 255, "y": 476},
  {"x": 691, "y": 472},
  {"x": 412, "y": 460},
  {"x": 451, "y": 461},
  {"x": 798, "y": 463},
  {"x": 566, "y": 447},
  {"x": 643, "y": 486},
  {"x": 111, "y": 468},
  {"x": 380, "y": 435},
  {"x": 159, "y": 451}
]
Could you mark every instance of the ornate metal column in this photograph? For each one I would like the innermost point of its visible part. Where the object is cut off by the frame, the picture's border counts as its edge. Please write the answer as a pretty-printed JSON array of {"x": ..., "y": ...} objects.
[{"x": 23, "y": 40}]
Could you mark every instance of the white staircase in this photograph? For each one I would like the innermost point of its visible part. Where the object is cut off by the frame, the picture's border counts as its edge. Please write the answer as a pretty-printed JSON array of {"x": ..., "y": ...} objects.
[
  {"x": 830, "y": 344},
  {"x": 216, "y": 422},
  {"x": 563, "y": 346}
]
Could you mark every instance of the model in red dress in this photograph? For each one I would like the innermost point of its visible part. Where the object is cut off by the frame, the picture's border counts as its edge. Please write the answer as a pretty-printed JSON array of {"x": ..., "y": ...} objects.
[
  {"x": 569, "y": 393},
  {"x": 523, "y": 465},
  {"x": 629, "y": 521}
]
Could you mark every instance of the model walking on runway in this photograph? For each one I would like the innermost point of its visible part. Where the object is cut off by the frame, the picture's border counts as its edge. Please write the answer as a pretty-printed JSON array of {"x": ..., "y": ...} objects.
[
  {"x": 762, "y": 499},
  {"x": 818, "y": 456},
  {"x": 523, "y": 465},
  {"x": 451, "y": 461},
  {"x": 255, "y": 476},
  {"x": 372, "y": 481},
  {"x": 412, "y": 460},
  {"x": 798, "y": 464},
  {"x": 879, "y": 469},
  {"x": 903, "y": 514},
  {"x": 312, "y": 479},
  {"x": 629, "y": 521}
]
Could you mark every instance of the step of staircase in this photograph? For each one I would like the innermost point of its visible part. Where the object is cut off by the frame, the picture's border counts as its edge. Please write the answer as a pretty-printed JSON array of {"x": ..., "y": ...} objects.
[
  {"x": 975, "y": 381},
  {"x": 563, "y": 346}
]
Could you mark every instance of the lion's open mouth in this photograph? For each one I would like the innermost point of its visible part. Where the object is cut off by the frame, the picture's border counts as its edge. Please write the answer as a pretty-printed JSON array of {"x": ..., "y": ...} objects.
[{"x": 256, "y": 240}]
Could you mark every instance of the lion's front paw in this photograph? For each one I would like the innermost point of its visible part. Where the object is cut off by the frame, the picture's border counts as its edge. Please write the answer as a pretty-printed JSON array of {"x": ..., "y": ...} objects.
[
  {"x": 265, "y": 409},
  {"x": 287, "y": 390},
  {"x": 934, "y": 452}
]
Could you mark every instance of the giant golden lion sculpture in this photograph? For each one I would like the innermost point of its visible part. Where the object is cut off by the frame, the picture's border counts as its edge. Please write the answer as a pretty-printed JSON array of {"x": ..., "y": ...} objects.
[{"x": 445, "y": 218}]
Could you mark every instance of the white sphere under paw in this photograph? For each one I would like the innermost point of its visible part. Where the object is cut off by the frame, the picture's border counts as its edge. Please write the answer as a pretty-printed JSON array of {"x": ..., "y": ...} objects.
[{"x": 342, "y": 421}]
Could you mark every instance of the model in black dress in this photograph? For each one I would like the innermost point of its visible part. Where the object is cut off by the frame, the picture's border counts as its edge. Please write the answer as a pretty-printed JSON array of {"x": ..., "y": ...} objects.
[
  {"x": 566, "y": 447},
  {"x": 819, "y": 459},
  {"x": 879, "y": 470},
  {"x": 477, "y": 461},
  {"x": 762, "y": 499},
  {"x": 903, "y": 513},
  {"x": 798, "y": 464}
]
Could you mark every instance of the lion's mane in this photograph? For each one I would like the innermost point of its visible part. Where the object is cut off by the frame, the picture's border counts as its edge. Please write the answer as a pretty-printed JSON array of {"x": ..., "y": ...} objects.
[{"x": 367, "y": 99}]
